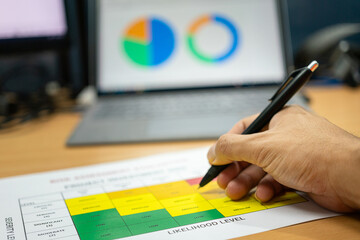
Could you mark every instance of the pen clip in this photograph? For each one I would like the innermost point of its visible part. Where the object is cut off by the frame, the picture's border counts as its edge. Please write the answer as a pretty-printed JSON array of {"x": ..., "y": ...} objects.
[{"x": 285, "y": 83}]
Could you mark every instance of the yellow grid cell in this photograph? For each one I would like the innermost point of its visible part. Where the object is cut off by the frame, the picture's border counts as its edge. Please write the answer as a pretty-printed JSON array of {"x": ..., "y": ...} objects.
[
  {"x": 210, "y": 186},
  {"x": 189, "y": 208},
  {"x": 87, "y": 199},
  {"x": 168, "y": 186},
  {"x": 210, "y": 191},
  {"x": 128, "y": 193},
  {"x": 170, "y": 190},
  {"x": 138, "y": 199},
  {"x": 183, "y": 200},
  {"x": 138, "y": 208},
  {"x": 87, "y": 208},
  {"x": 173, "y": 193},
  {"x": 241, "y": 208},
  {"x": 226, "y": 202},
  {"x": 286, "y": 199}
]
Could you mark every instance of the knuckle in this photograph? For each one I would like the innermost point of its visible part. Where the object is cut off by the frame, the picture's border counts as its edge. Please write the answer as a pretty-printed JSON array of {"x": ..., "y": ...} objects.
[
  {"x": 223, "y": 145},
  {"x": 248, "y": 181},
  {"x": 293, "y": 108},
  {"x": 262, "y": 157},
  {"x": 288, "y": 111}
]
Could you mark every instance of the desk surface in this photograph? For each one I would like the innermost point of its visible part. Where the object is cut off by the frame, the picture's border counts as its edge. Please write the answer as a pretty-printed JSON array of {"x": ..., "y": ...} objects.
[{"x": 38, "y": 146}]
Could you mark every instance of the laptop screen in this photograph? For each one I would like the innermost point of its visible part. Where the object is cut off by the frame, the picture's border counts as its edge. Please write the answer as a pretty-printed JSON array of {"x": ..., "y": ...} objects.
[{"x": 169, "y": 44}]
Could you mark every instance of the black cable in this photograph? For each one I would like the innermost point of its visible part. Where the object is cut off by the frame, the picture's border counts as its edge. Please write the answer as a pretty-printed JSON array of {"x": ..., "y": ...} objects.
[{"x": 23, "y": 89}]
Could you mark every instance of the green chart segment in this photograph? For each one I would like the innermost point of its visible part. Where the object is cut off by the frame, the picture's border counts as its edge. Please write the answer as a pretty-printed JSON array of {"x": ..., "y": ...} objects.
[
  {"x": 143, "y": 210},
  {"x": 148, "y": 42}
]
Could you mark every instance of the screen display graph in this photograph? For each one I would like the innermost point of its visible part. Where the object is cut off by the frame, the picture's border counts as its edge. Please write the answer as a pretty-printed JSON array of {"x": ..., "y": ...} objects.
[
  {"x": 210, "y": 19},
  {"x": 149, "y": 42},
  {"x": 167, "y": 45}
]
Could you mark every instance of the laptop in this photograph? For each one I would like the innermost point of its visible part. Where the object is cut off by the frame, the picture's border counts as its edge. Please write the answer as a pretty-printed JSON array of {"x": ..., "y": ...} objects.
[{"x": 168, "y": 70}]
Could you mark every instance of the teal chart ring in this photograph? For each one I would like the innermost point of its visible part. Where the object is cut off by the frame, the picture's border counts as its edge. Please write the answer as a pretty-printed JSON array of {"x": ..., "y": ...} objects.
[{"x": 206, "y": 20}]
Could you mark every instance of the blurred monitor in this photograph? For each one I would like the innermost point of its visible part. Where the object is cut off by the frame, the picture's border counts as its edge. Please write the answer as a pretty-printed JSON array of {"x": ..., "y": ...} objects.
[
  {"x": 162, "y": 68},
  {"x": 28, "y": 25}
]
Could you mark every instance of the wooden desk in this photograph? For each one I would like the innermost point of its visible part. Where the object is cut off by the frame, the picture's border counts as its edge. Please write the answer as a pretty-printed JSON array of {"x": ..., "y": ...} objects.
[{"x": 38, "y": 146}]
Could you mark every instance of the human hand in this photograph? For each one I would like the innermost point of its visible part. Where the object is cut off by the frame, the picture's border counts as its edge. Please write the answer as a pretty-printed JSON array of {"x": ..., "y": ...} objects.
[{"x": 298, "y": 150}]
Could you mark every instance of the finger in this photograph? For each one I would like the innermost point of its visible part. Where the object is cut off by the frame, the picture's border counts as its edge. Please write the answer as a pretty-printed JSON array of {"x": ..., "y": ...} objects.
[
  {"x": 268, "y": 188},
  {"x": 230, "y": 173},
  {"x": 238, "y": 128},
  {"x": 252, "y": 148},
  {"x": 211, "y": 154},
  {"x": 221, "y": 152},
  {"x": 244, "y": 182}
]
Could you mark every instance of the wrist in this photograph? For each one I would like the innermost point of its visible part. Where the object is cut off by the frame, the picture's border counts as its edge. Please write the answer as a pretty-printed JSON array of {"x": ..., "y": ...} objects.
[{"x": 347, "y": 174}]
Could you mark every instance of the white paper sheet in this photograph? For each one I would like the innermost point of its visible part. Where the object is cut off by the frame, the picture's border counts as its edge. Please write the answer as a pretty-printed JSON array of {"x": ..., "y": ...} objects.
[{"x": 125, "y": 199}]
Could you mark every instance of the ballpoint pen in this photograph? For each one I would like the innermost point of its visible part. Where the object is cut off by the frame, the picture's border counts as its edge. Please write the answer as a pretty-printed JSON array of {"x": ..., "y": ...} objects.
[{"x": 288, "y": 88}]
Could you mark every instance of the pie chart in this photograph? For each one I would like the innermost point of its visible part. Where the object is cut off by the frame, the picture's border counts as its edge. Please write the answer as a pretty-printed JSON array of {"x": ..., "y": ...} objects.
[{"x": 148, "y": 42}]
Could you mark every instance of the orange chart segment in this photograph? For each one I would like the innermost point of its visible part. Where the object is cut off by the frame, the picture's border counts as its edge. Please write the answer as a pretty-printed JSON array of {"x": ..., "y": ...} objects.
[
  {"x": 140, "y": 31},
  {"x": 198, "y": 23},
  {"x": 148, "y": 42}
]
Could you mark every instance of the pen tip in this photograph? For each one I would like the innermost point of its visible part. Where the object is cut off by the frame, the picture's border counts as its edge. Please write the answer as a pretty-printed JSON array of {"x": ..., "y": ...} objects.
[{"x": 313, "y": 66}]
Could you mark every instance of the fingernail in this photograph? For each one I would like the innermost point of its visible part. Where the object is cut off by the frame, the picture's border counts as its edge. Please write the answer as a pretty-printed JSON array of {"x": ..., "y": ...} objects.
[
  {"x": 257, "y": 198},
  {"x": 211, "y": 155}
]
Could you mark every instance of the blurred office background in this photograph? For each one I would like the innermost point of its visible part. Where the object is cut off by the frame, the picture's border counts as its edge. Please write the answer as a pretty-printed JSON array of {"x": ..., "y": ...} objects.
[
  {"x": 63, "y": 63},
  {"x": 306, "y": 17}
]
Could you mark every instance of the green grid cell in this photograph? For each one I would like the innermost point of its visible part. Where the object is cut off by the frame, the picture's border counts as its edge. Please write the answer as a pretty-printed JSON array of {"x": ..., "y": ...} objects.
[
  {"x": 96, "y": 216},
  {"x": 146, "y": 217},
  {"x": 98, "y": 225},
  {"x": 198, "y": 217},
  {"x": 153, "y": 226},
  {"x": 107, "y": 234}
]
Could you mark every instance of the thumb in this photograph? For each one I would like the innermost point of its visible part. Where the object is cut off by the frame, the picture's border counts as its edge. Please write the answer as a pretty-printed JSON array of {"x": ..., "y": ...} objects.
[{"x": 230, "y": 147}]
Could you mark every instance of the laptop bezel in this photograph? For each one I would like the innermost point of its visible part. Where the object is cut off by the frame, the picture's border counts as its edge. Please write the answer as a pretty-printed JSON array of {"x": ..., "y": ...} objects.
[{"x": 93, "y": 26}]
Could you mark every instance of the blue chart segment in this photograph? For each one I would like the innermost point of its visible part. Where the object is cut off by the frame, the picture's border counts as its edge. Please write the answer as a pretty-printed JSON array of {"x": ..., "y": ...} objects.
[
  {"x": 209, "y": 19},
  {"x": 149, "y": 42}
]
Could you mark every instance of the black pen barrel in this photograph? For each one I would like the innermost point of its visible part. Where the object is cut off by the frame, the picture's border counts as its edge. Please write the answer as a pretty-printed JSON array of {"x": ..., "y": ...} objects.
[
  {"x": 278, "y": 102},
  {"x": 213, "y": 172}
]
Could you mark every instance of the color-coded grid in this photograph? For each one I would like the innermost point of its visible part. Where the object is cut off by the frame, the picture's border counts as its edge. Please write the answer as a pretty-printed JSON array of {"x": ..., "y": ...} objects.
[{"x": 148, "y": 209}]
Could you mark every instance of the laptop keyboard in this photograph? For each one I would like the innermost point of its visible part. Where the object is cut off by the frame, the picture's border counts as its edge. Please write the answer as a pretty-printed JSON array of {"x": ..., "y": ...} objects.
[{"x": 179, "y": 104}]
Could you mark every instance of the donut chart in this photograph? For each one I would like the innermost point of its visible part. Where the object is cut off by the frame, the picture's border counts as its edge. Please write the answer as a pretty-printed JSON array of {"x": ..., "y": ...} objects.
[{"x": 211, "y": 19}]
